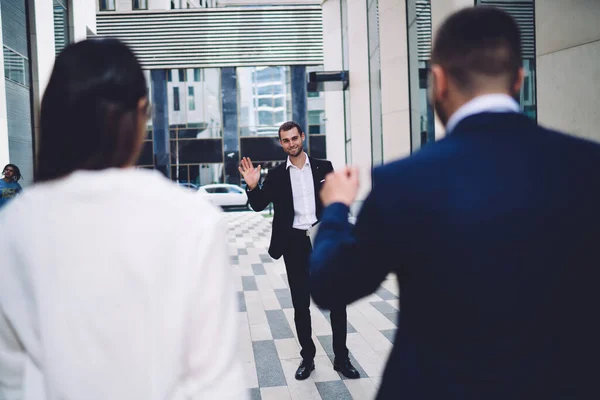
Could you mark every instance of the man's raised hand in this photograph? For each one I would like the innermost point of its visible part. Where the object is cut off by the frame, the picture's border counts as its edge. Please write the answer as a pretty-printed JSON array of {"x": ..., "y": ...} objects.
[{"x": 251, "y": 175}]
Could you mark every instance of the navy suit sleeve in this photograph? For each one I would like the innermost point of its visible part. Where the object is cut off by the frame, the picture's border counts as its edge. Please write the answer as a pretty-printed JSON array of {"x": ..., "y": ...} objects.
[
  {"x": 347, "y": 262},
  {"x": 262, "y": 195}
]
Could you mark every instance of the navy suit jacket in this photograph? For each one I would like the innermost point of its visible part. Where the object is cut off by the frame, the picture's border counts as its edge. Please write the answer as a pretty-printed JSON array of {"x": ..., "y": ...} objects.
[
  {"x": 277, "y": 189},
  {"x": 494, "y": 235}
]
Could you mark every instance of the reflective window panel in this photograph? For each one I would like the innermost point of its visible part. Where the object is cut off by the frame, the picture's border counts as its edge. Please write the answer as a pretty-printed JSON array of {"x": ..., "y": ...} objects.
[
  {"x": 264, "y": 99},
  {"x": 195, "y": 101}
]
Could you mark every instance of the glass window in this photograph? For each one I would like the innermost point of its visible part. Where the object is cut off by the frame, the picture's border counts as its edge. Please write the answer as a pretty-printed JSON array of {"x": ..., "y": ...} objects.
[
  {"x": 524, "y": 13},
  {"x": 107, "y": 5},
  {"x": 176, "y": 105},
  {"x": 16, "y": 67},
  {"x": 278, "y": 117},
  {"x": 265, "y": 102},
  {"x": 235, "y": 190},
  {"x": 314, "y": 117},
  {"x": 195, "y": 125},
  {"x": 169, "y": 76},
  {"x": 265, "y": 118},
  {"x": 264, "y": 99},
  {"x": 422, "y": 123},
  {"x": 61, "y": 25},
  {"x": 140, "y": 4},
  {"x": 202, "y": 103},
  {"x": 191, "y": 99},
  {"x": 182, "y": 75},
  {"x": 316, "y": 125},
  {"x": 528, "y": 93}
]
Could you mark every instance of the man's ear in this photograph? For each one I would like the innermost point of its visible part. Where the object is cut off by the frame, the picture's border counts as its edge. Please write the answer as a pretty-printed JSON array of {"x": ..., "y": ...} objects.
[
  {"x": 516, "y": 89},
  {"x": 438, "y": 84}
]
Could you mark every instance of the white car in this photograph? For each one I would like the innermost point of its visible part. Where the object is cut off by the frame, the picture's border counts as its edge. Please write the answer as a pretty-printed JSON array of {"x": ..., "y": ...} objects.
[{"x": 225, "y": 195}]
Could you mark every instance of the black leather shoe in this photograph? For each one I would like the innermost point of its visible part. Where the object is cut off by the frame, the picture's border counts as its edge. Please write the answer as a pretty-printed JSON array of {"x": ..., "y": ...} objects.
[
  {"x": 304, "y": 370},
  {"x": 346, "y": 368}
]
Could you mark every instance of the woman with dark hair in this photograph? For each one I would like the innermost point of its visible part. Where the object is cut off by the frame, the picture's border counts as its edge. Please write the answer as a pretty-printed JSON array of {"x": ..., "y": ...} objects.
[
  {"x": 114, "y": 282},
  {"x": 9, "y": 184}
]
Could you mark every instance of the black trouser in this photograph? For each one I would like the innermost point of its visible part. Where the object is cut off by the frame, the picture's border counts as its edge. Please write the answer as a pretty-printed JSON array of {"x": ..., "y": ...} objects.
[{"x": 296, "y": 260}]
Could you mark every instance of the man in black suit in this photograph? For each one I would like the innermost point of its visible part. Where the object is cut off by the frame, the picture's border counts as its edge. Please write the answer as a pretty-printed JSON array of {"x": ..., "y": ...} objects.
[
  {"x": 492, "y": 232},
  {"x": 293, "y": 188}
]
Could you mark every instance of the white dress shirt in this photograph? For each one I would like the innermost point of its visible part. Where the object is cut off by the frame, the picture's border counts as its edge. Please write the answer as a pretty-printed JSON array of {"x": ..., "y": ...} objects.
[
  {"x": 116, "y": 285},
  {"x": 303, "y": 193},
  {"x": 498, "y": 103}
]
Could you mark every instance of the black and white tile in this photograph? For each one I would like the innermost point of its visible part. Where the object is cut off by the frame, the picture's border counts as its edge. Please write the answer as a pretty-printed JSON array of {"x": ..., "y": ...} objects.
[{"x": 268, "y": 338}]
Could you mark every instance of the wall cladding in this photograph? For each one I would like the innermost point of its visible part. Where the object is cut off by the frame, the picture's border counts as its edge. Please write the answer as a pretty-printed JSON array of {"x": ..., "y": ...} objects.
[{"x": 221, "y": 37}]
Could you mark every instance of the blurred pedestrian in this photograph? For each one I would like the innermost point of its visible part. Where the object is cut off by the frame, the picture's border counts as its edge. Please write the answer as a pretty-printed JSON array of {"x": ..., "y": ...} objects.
[
  {"x": 9, "y": 184},
  {"x": 492, "y": 232},
  {"x": 114, "y": 282}
]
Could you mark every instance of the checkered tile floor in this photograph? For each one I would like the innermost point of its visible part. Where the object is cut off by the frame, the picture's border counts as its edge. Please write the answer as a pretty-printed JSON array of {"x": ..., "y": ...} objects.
[{"x": 268, "y": 336}]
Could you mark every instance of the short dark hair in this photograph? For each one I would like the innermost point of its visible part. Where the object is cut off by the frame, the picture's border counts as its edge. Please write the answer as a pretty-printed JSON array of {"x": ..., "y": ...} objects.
[
  {"x": 17, "y": 175},
  {"x": 286, "y": 126},
  {"x": 89, "y": 114},
  {"x": 478, "y": 42}
]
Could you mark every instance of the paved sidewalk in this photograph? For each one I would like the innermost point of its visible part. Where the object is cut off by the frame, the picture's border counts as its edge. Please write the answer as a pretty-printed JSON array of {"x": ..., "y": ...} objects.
[{"x": 268, "y": 337}]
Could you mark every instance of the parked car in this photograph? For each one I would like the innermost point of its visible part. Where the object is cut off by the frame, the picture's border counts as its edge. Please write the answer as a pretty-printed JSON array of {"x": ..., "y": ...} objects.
[
  {"x": 188, "y": 185},
  {"x": 225, "y": 195}
]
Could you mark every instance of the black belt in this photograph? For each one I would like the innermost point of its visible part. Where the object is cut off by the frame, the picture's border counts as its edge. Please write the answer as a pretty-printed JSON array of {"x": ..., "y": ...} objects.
[{"x": 303, "y": 232}]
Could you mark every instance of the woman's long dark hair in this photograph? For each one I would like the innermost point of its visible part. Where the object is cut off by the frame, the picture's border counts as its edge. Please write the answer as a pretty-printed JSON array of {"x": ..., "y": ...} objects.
[{"x": 89, "y": 115}]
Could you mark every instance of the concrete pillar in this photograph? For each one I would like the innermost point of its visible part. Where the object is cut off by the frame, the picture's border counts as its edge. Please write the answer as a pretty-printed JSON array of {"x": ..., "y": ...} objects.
[
  {"x": 394, "y": 79},
  {"x": 41, "y": 36},
  {"x": 231, "y": 143},
  {"x": 568, "y": 72},
  {"x": 160, "y": 122},
  {"x": 360, "y": 105},
  {"x": 299, "y": 113},
  {"x": 334, "y": 100},
  {"x": 440, "y": 10}
]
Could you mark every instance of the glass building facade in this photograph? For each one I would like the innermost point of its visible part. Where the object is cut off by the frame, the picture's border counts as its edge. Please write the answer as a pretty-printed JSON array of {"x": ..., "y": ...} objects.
[
  {"x": 523, "y": 11},
  {"x": 61, "y": 25},
  {"x": 419, "y": 33},
  {"x": 18, "y": 88},
  {"x": 214, "y": 116}
]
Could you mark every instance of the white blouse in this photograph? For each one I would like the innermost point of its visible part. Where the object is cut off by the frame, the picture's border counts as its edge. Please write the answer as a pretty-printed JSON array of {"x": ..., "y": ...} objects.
[{"x": 114, "y": 285}]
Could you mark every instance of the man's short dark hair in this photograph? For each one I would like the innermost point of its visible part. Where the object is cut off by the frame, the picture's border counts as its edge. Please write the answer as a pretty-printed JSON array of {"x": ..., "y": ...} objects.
[
  {"x": 478, "y": 43},
  {"x": 17, "y": 171},
  {"x": 286, "y": 126}
]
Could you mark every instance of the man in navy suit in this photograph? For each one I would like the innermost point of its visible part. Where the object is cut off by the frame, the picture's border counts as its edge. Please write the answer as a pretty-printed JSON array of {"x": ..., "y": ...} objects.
[
  {"x": 493, "y": 233},
  {"x": 293, "y": 188}
]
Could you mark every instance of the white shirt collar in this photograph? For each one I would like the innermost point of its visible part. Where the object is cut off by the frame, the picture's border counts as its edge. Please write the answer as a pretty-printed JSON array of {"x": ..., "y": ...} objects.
[
  {"x": 487, "y": 103},
  {"x": 289, "y": 162}
]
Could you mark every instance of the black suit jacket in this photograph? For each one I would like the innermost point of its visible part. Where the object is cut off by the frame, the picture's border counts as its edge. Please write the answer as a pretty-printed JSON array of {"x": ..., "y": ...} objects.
[
  {"x": 277, "y": 189},
  {"x": 494, "y": 235}
]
